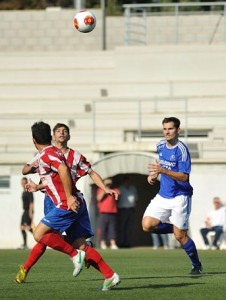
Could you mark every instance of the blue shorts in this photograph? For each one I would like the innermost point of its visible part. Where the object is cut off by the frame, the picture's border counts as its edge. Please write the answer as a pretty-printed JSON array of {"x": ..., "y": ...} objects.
[
  {"x": 48, "y": 204},
  {"x": 76, "y": 225}
]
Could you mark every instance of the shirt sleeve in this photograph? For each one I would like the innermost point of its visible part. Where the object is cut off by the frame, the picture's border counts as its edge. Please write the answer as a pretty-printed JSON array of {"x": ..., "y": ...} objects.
[
  {"x": 84, "y": 166},
  {"x": 184, "y": 161}
]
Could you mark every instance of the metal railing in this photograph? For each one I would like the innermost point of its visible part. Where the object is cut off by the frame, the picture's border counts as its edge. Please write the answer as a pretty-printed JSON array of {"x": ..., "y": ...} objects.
[{"x": 200, "y": 22}]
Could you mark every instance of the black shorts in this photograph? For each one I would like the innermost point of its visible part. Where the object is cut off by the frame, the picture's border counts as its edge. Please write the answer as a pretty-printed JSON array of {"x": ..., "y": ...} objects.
[{"x": 26, "y": 220}]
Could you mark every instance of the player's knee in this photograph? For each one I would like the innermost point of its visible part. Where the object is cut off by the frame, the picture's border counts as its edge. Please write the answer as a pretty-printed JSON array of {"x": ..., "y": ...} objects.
[
  {"x": 181, "y": 238},
  {"x": 37, "y": 237},
  {"x": 147, "y": 225}
]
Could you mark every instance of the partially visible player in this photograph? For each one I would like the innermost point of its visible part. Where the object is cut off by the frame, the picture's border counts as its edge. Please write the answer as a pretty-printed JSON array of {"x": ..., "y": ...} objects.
[
  {"x": 27, "y": 216},
  {"x": 81, "y": 230},
  {"x": 173, "y": 200}
]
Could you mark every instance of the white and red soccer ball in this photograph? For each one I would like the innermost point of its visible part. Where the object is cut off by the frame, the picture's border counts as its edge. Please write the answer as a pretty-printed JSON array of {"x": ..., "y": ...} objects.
[{"x": 85, "y": 21}]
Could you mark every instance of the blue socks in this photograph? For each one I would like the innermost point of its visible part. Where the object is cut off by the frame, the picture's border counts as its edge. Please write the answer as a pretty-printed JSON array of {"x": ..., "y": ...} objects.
[
  {"x": 163, "y": 228},
  {"x": 191, "y": 251}
]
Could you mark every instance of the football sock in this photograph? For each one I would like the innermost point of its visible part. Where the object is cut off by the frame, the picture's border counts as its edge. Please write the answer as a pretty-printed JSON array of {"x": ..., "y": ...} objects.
[
  {"x": 34, "y": 255},
  {"x": 56, "y": 242},
  {"x": 191, "y": 251},
  {"x": 163, "y": 228},
  {"x": 24, "y": 235},
  {"x": 96, "y": 261}
]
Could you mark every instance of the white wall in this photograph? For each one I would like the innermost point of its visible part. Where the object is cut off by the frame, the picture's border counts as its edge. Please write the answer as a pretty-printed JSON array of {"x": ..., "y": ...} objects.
[
  {"x": 11, "y": 211},
  {"x": 208, "y": 181}
]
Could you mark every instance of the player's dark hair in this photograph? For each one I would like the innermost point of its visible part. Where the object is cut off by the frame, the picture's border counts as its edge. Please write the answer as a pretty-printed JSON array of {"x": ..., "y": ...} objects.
[
  {"x": 59, "y": 125},
  {"x": 41, "y": 132},
  {"x": 175, "y": 121}
]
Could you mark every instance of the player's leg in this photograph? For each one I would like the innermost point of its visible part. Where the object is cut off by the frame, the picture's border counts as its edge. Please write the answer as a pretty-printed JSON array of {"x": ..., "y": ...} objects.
[
  {"x": 59, "y": 220},
  {"x": 180, "y": 215},
  {"x": 77, "y": 234},
  {"x": 94, "y": 258},
  {"x": 44, "y": 235},
  {"x": 190, "y": 248},
  {"x": 156, "y": 216},
  {"x": 37, "y": 251}
]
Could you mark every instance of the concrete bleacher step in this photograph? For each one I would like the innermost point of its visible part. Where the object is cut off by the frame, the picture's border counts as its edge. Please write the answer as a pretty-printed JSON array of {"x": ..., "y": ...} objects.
[{"x": 112, "y": 93}]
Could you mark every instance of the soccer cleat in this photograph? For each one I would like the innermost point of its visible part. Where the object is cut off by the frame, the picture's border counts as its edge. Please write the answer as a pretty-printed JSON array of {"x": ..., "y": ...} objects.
[
  {"x": 78, "y": 261},
  {"x": 21, "y": 275},
  {"x": 109, "y": 283},
  {"x": 196, "y": 270}
]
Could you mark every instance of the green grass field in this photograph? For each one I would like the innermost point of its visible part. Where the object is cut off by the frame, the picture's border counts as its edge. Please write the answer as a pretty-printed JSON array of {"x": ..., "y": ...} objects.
[{"x": 145, "y": 274}]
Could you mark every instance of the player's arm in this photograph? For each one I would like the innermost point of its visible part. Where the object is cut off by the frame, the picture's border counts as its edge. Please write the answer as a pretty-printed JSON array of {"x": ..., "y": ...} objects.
[
  {"x": 174, "y": 175},
  {"x": 31, "y": 186},
  {"x": 156, "y": 169},
  {"x": 100, "y": 183},
  {"x": 31, "y": 167},
  {"x": 66, "y": 180}
]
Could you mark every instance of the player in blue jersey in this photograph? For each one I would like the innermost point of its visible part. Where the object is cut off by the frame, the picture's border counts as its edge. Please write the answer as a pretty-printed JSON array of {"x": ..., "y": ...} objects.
[{"x": 173, "y": 201}]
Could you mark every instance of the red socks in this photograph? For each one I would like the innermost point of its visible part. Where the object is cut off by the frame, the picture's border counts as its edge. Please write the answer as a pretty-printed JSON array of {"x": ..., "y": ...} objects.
[
  {"x": 95, "y": 260},
  {"x": 56, "y": 242},
  {"x": 34, "y": 255}
]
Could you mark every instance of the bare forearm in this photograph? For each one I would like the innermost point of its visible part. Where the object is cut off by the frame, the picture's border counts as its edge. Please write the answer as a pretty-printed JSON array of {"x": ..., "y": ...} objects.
[
  {"x": 66, "y": 179},
  {"x": 97, "y": 180},
  {"x": 28, "y": 169},
  {"x": 174, "y": 175}
]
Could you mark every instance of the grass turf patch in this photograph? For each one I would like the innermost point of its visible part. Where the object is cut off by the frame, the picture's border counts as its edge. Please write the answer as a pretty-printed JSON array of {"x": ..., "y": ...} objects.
[{"x": 145, "y": 274}]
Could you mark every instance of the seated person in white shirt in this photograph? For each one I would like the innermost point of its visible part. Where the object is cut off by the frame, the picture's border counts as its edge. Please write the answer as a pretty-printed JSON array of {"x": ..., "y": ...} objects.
[{"x": 214, "y": 222}]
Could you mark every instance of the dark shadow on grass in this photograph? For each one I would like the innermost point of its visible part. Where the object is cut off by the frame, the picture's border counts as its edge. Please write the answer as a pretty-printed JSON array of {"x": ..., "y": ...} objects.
[
  {"x": 136, "y": 278},
  {"x": 157, "y": 286},
  {"x": 158, "y": 277},
  {"x": 213, "y": 273}
]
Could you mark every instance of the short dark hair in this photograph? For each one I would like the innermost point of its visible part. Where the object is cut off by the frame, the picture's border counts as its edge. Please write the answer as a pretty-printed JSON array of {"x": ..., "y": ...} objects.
[
  {"x": 58, "y": 125},
  {"x": 41, "y": 133},
  {"x": 176, "y": 121}
]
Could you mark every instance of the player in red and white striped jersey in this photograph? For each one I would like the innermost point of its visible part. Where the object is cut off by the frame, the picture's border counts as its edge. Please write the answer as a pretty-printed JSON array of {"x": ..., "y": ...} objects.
[{"x": 79, "y": 231}]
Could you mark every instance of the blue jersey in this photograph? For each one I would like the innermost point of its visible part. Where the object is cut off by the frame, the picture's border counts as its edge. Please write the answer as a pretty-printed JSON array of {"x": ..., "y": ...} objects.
[{"x": 177, "y": 159}]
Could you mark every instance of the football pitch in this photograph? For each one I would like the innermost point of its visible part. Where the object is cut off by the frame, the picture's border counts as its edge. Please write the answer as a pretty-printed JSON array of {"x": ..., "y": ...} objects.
[{"x": 145, "y": 274}]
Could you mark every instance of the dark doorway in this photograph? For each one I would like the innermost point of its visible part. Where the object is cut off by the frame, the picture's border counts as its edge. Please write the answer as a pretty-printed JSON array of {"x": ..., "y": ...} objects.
[{"x": 146, "y": 192}]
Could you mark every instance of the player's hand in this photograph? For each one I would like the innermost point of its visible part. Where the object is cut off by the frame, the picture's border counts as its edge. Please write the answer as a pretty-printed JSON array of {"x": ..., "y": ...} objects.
[
  {"x": 154, "y": 169},
  {"x": 72, "y": 203},
  {"x": 112, "y": 192},
  {"x": 31, "y": 186},
  {"x": 151, "y": 179}
]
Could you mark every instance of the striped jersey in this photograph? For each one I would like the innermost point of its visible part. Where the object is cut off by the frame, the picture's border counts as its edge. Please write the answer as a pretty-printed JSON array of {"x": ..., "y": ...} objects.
[
  {"x": 49, "y": 161},
  {"x": 177, "y": 159}
]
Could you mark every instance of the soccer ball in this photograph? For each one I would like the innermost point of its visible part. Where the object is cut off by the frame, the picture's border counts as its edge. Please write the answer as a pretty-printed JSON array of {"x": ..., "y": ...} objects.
[{"x": 85, "y": 21}]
